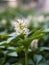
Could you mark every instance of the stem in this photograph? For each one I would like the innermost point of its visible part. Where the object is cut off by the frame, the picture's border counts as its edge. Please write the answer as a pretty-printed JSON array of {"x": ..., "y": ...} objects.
[
  {"x": 3, "y": 60},
  {"x": 36, "y": 63},
  {"x": 26, "y": 57}
]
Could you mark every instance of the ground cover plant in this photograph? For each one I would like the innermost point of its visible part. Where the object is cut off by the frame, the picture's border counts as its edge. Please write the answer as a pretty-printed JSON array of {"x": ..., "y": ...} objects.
[{"x": 23, "y": 41}]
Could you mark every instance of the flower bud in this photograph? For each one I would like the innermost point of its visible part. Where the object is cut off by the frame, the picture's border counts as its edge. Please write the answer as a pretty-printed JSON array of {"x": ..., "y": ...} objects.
[{"x": 34, "y": 44}]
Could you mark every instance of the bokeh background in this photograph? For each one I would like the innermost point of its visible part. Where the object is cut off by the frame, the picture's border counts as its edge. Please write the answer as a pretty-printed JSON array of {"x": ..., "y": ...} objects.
[
  {"x": 37, "y": 13},
  {"x": 25, "y": 4}
]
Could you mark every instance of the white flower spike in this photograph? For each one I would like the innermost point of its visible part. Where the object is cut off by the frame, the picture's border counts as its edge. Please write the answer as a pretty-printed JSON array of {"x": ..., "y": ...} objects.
[{"x": 20, "y": 26}]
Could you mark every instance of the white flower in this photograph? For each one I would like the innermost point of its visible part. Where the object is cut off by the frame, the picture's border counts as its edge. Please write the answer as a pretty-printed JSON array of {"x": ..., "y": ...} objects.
[
  {"x": 47, "y": 18},
  {"x": 34, "y": 44},
  {"x": 30, "y": 17},
  {"x": 3, "y": 21},
  {"x": 20, "y": 26},
  {"x": 39, "y": 18}
]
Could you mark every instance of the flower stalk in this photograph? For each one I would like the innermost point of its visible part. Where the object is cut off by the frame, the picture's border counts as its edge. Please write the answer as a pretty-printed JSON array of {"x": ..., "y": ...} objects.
[{"x": 26, "y": 56}]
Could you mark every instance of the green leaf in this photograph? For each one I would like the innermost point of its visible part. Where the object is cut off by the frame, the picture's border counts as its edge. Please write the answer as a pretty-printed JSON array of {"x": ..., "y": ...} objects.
[
  {"x": 17, "y": 64},
  {"x": 7, "y": 63},
  {"x": 4, "y": 36},
  {"x": 26, "y": 42},
  {"x": 38, "y": 58},
  {"x": 43, "y": 63},
  {"x": 14, "y": 54},
  {"x": 11, "y": 40},
  {"x": 37, "y": 32},
  {"x": 44, "y": 48},
  {"x": 37, "y": 35},
  {"x": 19, "y": 48},
  {"x": 30, "y": 62},
  {"x": 17, "y": 37},
  {"x": 46, "y": 30}
]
